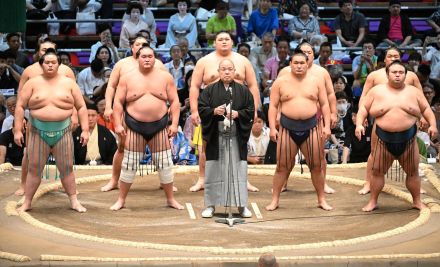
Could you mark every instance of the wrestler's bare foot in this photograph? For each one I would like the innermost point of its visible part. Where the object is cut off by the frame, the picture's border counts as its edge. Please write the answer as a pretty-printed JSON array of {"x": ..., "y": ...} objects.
[
  {"x": 252, "y": 188},
  {"x": 372, "y": 205},
  {"x": 365, "y": 190},
  {"x": 118, "y": 205},
  {"x": 198, "y": 186},
  {"x": 24, "y": 208},
  {"x": 324, "y": 205},
  {"x": 272, "y": 206},
  {"x": 284, "y": 189},
  {"x": 172, "y": 203},
  {"x": 19, "y": 192},
  {"x": 174, "y": 188},
  {"x": 75, "y": 205},
  {"x": 328, "y": 189},
  {"x": 109, "y": 186},
  {"x": 419, "y": 205}
]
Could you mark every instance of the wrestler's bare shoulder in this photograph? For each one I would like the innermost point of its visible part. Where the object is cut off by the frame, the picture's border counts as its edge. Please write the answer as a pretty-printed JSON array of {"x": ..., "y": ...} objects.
[
  {"x": 284, "y": 71},
  {"x": 33, "y": 70}
]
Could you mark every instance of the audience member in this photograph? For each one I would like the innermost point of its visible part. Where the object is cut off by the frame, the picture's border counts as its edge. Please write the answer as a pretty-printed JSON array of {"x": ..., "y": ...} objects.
[
  {"x": 186, "y": 54},
  {"x": 105, "y": 34},
  {"x": 239, "y": 9},
  {"x": 350, "y": 26},
  {"x": 272, "y": 64},
  {"x": 245, "y": 50},
  {"x": 156, "y": 3},
  {"x": 364, "y": 64},
  {"x": 175, "y": 66},
  {"x": 303, "y": 26},
  {"x": 432, "y": 55},
  {"x": 104, "y": 54},
  {"x": 101, "y": 121},
  {"x": 67, "y": 60},
  {"x": 132, "y": 25},
  {"x": 260, "y": 54},
  {"x": 14, "y": 41},
  {"x": 2, "y": 109},
  {"x": 11, "y": 102},
  {"x": 90, "y": 77},
  {"x": 99, "y": 91},
  {"x": 434, "y": 21},
  {"x": 9, "y": 151},
  {"x": 11, "y": 61},
  {"x": 262, "y": 20},
  {"x": 101, "y": 146},
  {"x": 221, "y": 21},
  {"x": 414, "y": 60},
  {"x": 325, "y": 55},
  {"x": 291, "y": 7},
  {"x": 395, "y": 29},
  {"x": 181, "y": 24},
  {"x": 183, "y": 94},
  {"x": 37, "y": 10},
  {"x": 148, "y": 18},
  {"x": 9, "y": 77},
  {"x": 258, "y": 140},
  {"x": 356, "y": 150}
]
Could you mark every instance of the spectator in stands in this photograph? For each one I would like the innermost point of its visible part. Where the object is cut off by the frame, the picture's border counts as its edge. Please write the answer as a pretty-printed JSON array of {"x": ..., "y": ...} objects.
[
  {"x": 11, "y": 102},
  {"x": 9, "y": 77},
  {"x": 37, "y": 10},
  {"x": 339, "y": 83},
  {"x": 148, "y": 18},
  {"x": 432, "y": 55},
  {"x": 325, "y": 55},
  {"x": 9, "y": 151},
  {"x": 99, "y": 92},
  {"x": 245, "y": 50},
  {"x": 258, "y": 140},
  {"x": 2, "y": 109},
  {"x": 175, "y": 66},
  {"x": 356, "y": 150},
  {"x": 260, "y": 54},
  {"x": 272, "y": 64},
  {"x": 262, "y": 20},
  {"x": 364, "y": 64},
  {"x": 350, "y": 26},
  {"x": 159, "y": 2},
  {"x": 66, "y": 60},
  {"x": 186, "y": 54},
  {"x": 221, "y": 21},
  {"x": 105, "y": 34},
  {"x": 395, "y": 29},
  {"x": 132, "y": 25},
  {"x": 101, "y": 146},
  {"x": 338, "y": 134},
  {"x": 90, "y": 78},
  {"x": 434, "y": 21},
  {"x": 104, "y": 54},
  {"x": 414, "y": 61},
  {"x": 239, "y": 9},
  {"x": 291, "y": 7},
  {"x": 183, "y": 94},
  {"x": 14, "y": 42},
  {"x": 429, "y": 92},
  {"x": 181, "y": 24},
  {"x": 101, "y": 121},
  {"x": 303, "y": 27},
  {"x": 10, "y": 60},
  {"x": 87, "y": 5}
]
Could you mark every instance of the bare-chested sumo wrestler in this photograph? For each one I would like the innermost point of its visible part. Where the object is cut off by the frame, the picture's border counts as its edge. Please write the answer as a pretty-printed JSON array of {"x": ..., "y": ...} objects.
[
  {"x": 50, "y": 126},
  {"x": 390, "y": 103},
  {"x": 296, "y": 96},
  {"x": 146, "y": 123}
]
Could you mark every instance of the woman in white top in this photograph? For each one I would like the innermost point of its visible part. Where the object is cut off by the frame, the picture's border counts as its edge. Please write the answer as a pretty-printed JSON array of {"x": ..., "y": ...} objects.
[
  {"x": 133, "y": 25},
  {"x": 148, "y": 18}
]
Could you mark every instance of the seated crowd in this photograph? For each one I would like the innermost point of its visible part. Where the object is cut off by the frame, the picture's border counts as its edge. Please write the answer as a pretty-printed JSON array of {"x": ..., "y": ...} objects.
[{"x": 262, "y": 34}]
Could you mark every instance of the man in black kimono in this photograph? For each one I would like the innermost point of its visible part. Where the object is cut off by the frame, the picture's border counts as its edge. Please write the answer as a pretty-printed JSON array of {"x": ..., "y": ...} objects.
[{"x": 226, "y": 110}]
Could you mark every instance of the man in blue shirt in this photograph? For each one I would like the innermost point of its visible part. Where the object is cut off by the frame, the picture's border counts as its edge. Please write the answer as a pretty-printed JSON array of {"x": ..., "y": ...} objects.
[{"x": 264, "y": 19}]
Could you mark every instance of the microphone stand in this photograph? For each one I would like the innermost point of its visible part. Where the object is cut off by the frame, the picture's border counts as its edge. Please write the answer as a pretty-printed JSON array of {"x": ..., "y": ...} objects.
[{"x": 230, "y": 220}]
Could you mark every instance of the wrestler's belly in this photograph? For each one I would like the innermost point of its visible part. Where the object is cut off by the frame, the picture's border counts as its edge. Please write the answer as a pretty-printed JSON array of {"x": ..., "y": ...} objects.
[
  {"x": 51, "y": 113},
  {"x": 147, "y": 108},
  {"x": 299, "y": 110},
  {"x": 396, "y": 122}
]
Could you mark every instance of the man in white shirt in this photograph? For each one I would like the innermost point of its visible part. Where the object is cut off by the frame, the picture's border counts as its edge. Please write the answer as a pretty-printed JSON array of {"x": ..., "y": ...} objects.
[{"x": 90, "y": 78}]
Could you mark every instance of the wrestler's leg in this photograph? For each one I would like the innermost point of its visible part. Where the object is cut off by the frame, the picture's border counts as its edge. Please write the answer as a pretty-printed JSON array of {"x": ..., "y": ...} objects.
[
  {"x": 116, "y": 167},
  {"x": 313, "y": 151},
  {"x": 286, "y": 151},
  {"x": 161, "y": 155},
  {"x": 134, "y": 148},
  {"x": 366, "y": 188},
  {"x": 38, "y": 152},
  {"x": 381, "y": 162},
  {"x": 24, "y": 169},
  {"x": 327, "y": 188},
  {"x": 410, "y": 164},
  {"x": 63, "y": 153}
]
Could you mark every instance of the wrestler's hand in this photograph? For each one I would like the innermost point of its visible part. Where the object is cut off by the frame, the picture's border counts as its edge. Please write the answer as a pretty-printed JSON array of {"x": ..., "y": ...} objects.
[
  {"x": 333, "y": 120},
  {"x": 326, "y": 132},
  {"x": 172, "y": 130},
  {"x": 107, "y": 113},
  {"x": 84, "y": 138},
  {"x": 18, "y": 138},
  {"x": 360, "y": 130},
  {"x": 120, "y": 131},
  {"x": 273, "y": 135},
  {"x": 433, "y": 132},
  {"x": 195, "y": 118},
  {"x": 423, "y": 123}
]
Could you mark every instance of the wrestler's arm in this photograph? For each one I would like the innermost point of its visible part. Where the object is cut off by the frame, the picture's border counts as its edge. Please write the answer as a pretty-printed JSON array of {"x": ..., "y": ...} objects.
[
  {"x": 80, "y": 105},
  {"x": 23, "y": 79},
  {"x": 196, "y": 83},
  {"x": 252, "y": 84},
  {"x": 324, "y": 104},
  {"x": 160, "y": 65},
  {"x": 331, "y": 98},
  {"x": 111, "y": 88},
  {"x": 367, "y": 86},
  {"x": 21, "y": 105},
  {"x": 426, "y": 110},
  {"x": 364, "y": 108},
  {"x": 120, "y": 96},
  {"x": 68, "y": 72},
  {"x": 173, "y": 99},
  {"x": 416, "y": 82},
  {"x": 274, "y": 104}
]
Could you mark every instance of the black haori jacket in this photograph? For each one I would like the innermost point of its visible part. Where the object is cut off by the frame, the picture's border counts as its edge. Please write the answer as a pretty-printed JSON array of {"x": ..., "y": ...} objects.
[{"x": 216, "y": 95}]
